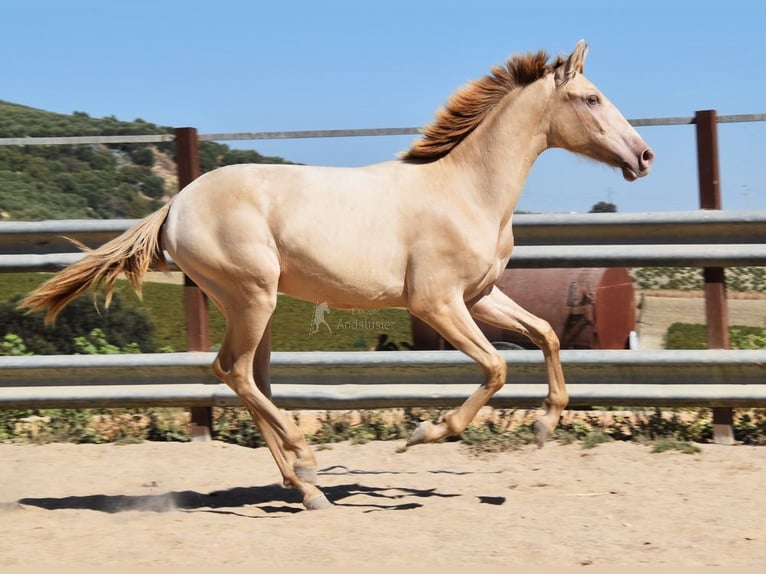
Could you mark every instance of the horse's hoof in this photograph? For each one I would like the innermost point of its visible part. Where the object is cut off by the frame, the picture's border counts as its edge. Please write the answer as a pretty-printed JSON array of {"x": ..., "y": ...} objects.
[
  {"x": 317, "y": 503},
  {"x": 306, "y": 473},
  {"x": 541, "y": 434},
  {"x": 421, "y": 433}
]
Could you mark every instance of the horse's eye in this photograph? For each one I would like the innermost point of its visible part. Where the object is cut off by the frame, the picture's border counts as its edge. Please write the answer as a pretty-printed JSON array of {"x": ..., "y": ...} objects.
[{"x": 593, "y": 100}]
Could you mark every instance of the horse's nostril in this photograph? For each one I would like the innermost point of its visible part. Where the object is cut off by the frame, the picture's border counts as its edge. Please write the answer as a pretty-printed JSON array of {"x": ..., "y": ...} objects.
[{"x": 647, "y": 157}]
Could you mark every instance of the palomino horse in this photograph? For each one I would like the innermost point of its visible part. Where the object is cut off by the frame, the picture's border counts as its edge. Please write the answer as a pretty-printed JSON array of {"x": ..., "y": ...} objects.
[{"x": 243, "y": 233}]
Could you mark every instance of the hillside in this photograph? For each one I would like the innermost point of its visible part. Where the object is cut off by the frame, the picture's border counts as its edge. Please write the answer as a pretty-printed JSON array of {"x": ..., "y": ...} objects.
[{"x": 92, "y": 181}]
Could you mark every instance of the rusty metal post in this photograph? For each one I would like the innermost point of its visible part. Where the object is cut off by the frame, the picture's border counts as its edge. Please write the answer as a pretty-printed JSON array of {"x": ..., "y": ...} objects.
[
  {"x": 195, "y": 301},
  {"x": 716, "y": 306}
]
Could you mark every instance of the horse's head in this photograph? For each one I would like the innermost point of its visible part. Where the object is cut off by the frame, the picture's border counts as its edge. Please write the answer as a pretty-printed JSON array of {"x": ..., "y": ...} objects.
[{"x": 583, "y": 121}]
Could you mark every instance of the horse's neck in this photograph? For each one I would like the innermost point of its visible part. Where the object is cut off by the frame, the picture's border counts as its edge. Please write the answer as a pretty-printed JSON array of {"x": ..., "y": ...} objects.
[{"x": 501, "y": 151}]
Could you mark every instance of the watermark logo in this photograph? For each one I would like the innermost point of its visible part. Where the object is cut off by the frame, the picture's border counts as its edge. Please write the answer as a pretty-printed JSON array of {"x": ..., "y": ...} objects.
[
  {"x": 364, "y": 320},
  {"x": 320, "y": 311},
  {"x": 349, "y": 320}
]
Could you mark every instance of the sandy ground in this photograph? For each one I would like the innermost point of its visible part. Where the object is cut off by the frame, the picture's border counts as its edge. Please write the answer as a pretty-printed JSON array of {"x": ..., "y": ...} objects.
[
  {"x": 170, "y": 504},
  {"x": 163, "y": 504}
]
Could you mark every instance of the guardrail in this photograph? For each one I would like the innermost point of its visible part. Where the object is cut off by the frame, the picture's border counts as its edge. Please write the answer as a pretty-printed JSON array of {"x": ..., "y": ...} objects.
[
  {"x": 685, "y": 238},
  {"x": 367, "y": 380}
]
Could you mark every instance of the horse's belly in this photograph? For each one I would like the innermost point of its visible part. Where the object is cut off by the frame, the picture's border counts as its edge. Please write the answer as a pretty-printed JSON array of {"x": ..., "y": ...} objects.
[
  {"x": 341, "y": 296},
  {"x": 360, "y": 292}
]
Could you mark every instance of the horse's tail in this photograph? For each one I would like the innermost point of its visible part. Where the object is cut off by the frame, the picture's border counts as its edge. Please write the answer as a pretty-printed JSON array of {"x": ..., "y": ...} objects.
[{"x": 131, "y": 253}]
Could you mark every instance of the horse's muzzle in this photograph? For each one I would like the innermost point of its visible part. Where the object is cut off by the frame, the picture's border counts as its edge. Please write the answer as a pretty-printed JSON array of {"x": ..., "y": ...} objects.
[{"x": 643, "y": 166}]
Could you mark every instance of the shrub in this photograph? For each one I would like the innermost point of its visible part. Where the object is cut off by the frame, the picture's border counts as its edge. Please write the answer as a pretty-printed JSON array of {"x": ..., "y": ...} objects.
[
  {"x": 694, "y": 336},
  {"x": 124, "y": 327}
]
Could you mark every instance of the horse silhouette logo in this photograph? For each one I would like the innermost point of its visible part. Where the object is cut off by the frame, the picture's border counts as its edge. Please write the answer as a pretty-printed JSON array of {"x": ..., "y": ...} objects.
[{"x": 320, "y": 310}]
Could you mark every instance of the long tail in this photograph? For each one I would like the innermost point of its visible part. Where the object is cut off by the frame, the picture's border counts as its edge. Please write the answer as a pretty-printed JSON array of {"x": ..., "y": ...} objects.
[{"x": 132, "y": 253}]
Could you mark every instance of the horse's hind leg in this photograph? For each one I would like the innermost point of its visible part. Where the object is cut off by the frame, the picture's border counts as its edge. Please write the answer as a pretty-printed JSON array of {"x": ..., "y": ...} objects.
[
  {"x": 298, "y": 455},
  {"x": 499, "y": 310},
  {"x": 247, "y": 320}
]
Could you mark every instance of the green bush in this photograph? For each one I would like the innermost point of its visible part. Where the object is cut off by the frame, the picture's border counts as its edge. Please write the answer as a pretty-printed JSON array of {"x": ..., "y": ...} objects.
[
  {"x": 125, "y": 327},
  {"x": 747, "y": 338},
  {"x": 13, "y": 346},
  {"x": 95, "y": 343},
  {"x": 750, "y": 427},
  {"x": 694, "y": 336},
  {"x": 686, "y": 336}
]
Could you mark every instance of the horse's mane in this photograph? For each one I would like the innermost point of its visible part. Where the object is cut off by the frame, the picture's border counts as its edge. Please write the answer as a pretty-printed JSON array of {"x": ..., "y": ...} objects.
[{"x": 469, "y": 105}]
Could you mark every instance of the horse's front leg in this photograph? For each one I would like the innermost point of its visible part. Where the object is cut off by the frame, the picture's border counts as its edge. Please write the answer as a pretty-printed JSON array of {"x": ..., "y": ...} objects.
[
  {"x": 499, "y": 310},
  {"x": 452, "y": 320}
]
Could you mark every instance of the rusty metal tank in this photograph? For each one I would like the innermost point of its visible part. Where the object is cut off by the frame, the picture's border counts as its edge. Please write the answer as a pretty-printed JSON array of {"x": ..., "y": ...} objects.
[{"x": 589, "y": 308}]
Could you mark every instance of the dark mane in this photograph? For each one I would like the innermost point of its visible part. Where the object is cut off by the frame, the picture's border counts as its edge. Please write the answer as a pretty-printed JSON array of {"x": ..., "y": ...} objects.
[{"x": 469, "y": 105}]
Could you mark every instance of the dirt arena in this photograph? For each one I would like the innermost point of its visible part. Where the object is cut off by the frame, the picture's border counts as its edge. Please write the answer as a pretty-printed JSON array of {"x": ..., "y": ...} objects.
[{"x": 166, "y": 504}]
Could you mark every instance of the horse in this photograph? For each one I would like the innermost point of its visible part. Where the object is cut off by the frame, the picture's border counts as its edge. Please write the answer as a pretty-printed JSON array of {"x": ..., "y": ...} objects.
[{"x": 244, "y": 233}]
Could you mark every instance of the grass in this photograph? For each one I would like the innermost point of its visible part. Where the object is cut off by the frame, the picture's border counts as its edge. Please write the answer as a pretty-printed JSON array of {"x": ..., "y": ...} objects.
[
  {"x": 666, "y": 444},
  {"x": 351, "y": 330}
]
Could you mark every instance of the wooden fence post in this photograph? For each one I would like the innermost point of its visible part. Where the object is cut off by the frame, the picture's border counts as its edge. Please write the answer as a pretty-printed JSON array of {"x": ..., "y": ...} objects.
[
  {"x": 716, "y": 306},
  {"x": 195, "y": 302}
]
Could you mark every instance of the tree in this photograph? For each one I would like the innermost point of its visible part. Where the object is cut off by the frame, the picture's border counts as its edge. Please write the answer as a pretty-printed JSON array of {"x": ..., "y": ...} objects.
[
  {"x": 603, "y": 207},
  {"x": 142, "y": 156}
]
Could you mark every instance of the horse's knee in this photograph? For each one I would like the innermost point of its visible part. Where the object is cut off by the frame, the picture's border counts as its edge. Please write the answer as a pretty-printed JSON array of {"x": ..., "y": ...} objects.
[
  {"x": 552, "y": 340},
  {"x": 496, "y": 372}
]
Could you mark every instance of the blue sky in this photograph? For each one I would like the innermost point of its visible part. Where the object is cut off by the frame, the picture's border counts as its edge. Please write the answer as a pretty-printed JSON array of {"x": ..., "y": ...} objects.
[{"x": 242, "y": 66}]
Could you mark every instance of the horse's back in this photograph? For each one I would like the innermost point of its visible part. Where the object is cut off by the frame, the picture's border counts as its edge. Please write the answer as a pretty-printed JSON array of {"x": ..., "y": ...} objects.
[{"x": 323, "y": 227}]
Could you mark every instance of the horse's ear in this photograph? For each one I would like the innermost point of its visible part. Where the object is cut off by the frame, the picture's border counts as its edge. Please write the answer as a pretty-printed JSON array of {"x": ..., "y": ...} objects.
[{"x": 574, "y": 64}]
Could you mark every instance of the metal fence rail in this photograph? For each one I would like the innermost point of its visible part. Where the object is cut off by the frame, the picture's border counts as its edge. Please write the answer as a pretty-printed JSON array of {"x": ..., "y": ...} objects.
[
  {"x": 366, "y": 380},
  {"x": 304, "y": 134},
  {"x": 524, "y": 256},
  {"x": 690, "y": 238},
  {"x": 648, "y": 228}
]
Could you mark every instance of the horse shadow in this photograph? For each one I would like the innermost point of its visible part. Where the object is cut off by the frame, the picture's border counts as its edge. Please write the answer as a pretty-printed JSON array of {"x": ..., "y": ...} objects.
[{"x": 272, "y": 499}]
